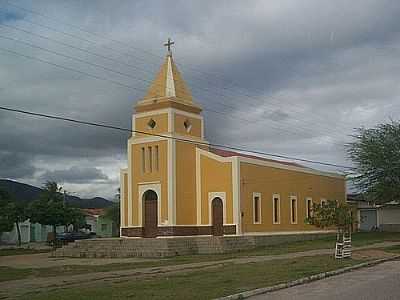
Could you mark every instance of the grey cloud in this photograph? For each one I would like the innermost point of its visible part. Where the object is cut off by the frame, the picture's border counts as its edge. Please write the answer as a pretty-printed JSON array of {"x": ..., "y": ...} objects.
[
  {"x": 15, "y": 165},
  {"x": 75, "y": 174},
  {"x": 295, "y": 77}
]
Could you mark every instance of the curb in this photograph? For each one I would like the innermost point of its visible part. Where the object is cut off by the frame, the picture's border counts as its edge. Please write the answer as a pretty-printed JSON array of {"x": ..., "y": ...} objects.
[{"x": 305, "y": 280}]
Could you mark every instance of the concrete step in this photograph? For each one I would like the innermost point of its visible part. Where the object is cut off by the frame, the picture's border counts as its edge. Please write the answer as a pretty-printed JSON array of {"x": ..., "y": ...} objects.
[{"x": 163, "y": 247}]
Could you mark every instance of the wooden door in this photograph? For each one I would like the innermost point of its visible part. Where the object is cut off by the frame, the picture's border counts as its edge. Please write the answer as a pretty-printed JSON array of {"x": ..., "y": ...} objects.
[
  {"x": 150, "y": 214},
  {"x": 217, "y": 217}
]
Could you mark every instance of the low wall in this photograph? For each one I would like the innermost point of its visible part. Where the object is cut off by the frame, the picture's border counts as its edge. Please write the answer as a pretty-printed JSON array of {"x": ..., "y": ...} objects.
[
  {"x": 176, "y": 230},
  {"x": 173, "y": 246},
  {"x": 390, "y": 227}
]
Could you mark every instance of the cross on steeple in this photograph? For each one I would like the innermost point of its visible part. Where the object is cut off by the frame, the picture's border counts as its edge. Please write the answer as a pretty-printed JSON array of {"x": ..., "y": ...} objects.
[{"x": 168, "y": 44}]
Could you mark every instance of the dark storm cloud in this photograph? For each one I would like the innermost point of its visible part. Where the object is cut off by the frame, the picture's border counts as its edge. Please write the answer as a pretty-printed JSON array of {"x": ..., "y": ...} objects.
[
  {"x": 292, "y": 77},
  {"x": 15, "y": 165},
  {"x": 75, "y": 174}
]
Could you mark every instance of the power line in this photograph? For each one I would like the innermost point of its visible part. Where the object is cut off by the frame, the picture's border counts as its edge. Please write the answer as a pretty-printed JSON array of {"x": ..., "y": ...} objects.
[
  {"x": 68, "y": 68},
  {"x": 103, "y": 125},
  {"x": 327, "y": 129},
  {"x": 322, "y": 124},
  {"x": 99, "y": 35},
  {"x": 119, "y": 83}
]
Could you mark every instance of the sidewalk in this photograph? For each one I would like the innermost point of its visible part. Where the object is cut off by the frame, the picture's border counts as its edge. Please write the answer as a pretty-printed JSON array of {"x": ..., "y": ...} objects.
[{"x": 20, "y": 287}]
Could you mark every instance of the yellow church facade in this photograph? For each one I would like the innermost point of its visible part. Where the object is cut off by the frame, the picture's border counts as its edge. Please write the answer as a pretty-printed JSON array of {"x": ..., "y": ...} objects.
[{"x": 176, "y": 184}]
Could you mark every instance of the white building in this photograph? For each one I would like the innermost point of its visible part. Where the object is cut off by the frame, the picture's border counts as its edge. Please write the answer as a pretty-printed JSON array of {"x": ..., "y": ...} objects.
[
  {"x": 371, "y": 217},
  {"x": 30, "y": 232}
]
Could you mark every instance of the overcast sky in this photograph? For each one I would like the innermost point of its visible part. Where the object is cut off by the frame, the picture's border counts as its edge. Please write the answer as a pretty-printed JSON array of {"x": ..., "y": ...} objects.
[{"x": 287, "y": 77}]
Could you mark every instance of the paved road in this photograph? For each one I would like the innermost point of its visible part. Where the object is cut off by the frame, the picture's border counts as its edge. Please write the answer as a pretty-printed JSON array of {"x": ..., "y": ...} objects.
[{"x": 381, "y": 282}]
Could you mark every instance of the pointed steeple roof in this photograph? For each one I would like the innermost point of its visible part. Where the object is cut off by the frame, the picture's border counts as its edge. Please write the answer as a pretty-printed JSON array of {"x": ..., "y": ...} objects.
[
  {"x": 169, "y": 83},
  {"x": 168, "y": 87}
]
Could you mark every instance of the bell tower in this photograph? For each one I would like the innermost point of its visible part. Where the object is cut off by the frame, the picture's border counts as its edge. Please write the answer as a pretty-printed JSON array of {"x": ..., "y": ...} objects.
[{"x": 158, "y": 159}]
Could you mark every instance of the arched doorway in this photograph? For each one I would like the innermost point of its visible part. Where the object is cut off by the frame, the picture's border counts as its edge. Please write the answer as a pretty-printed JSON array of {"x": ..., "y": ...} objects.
[
  {"x": 217, "y": 216},
  {"x": 150, "y": 214}
]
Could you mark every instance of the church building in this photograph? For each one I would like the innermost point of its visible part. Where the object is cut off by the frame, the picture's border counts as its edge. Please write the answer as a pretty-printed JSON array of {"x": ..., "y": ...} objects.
[{"x": 176, "y": 184}]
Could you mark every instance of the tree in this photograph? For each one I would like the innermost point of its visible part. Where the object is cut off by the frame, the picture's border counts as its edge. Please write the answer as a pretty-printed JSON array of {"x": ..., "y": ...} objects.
[
  {"x": 74, "y": 217},
  {"x": 11, "y": 213},
  {"x": 6, "y": 221},
  {"x": 332, "y": 215},
  {"x": 113, "y": 213},
  {"x": 19, "y": 214},
  {"x": 376, "y": 155},
  {"x": 49, "y": 208}
]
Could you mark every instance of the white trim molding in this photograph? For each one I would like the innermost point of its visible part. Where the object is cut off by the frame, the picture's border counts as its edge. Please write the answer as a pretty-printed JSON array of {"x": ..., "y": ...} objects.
[
  {"x": 170, "y": 84},
  {"x": 278, "y": 216},
  {"x": 171, "y": 166},
  {"x": 236, "y": 193},
  {"x": 147, "y": 139},
  {"x": 211, "y": 197},
  {"x": 142, "y": 188},
  {"x": 168, "y": 110},
  {"x": 235, "y": 179},
  {"x": 291, "y": 198},
  {"x": 171, "y": 121},
  {"x": 257, "y": 195},
  {"x": 323, "y": 201},
  {"x": 198, "y": 187},
  {"x": 168, "y": 136},
  {"x": 133, "y": 125},
  {"x": 122, "y": 196},
  {"x": 130, "y": 182},
  {"x": 215, "y": 156}
]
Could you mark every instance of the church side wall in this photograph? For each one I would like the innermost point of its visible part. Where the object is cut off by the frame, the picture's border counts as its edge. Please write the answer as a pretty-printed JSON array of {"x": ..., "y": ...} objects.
[
  {"x": 155, "y": 177},
  {"x": 268, "y": 181},
  {"x": 216, "y": 177},
  {"x": 185, "y": 183}
]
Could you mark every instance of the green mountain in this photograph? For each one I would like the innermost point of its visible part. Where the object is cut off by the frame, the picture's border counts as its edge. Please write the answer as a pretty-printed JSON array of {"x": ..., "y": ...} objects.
[{"x": 27, "y": 193}]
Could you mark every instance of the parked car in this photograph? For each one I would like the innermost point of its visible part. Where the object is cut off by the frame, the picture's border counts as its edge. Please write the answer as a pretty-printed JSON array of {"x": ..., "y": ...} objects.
[{"x": 67, "y": 237}]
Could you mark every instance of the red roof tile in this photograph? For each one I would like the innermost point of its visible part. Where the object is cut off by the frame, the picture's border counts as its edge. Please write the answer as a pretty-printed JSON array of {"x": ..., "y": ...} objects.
[
  {"x": 94, "y": 211},
  {"x": 228, "y": 153}
]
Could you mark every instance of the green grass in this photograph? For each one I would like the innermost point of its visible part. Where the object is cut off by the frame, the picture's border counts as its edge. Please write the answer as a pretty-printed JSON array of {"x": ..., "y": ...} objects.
[
  {"x": 7, "y": 273},
  {"x": 392, "y": 249},
  {"x": 21, "y": 251},
  {"x": 204, "y": 284},
  {"x": 366, "y": 238},
  {"x": 359, "y": 239}
]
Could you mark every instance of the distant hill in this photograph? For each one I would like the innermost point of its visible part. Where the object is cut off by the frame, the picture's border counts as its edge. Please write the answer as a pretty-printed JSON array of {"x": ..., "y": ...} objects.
[{"x": 27, "y": 193}]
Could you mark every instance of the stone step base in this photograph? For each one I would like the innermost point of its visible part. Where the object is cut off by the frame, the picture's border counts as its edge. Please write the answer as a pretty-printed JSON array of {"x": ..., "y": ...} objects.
[{"x": 167, "y": 247}]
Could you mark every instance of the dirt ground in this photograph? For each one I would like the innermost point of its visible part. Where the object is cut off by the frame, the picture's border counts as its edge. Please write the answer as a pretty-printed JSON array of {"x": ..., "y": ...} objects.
[
  {"x": 44, "y": 260},
  {"x": 16, "y": 288},
  {"x": 372, "y": 254}
]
